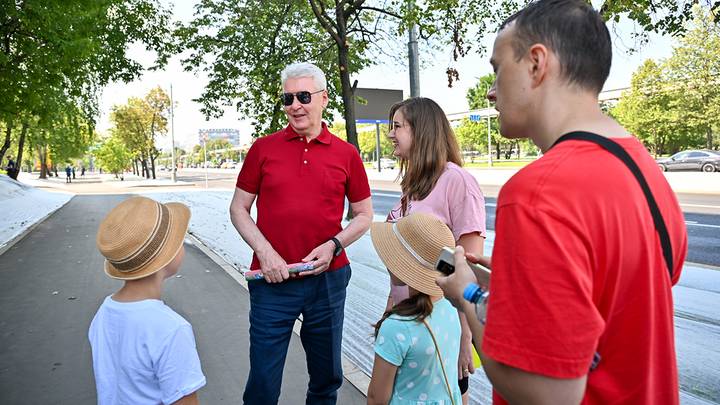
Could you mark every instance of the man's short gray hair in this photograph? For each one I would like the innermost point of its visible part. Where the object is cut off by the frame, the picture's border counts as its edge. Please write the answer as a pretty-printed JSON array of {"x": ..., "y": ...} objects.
[{"x": 304, "y": 69}]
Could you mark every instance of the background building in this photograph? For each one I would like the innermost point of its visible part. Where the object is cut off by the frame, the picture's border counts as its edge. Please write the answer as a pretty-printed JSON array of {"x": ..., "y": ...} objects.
[{"x": 231, "y": 135}]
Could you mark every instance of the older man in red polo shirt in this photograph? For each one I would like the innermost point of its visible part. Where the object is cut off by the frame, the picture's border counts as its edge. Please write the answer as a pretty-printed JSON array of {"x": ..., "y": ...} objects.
[{"x": 300, "y": 177}]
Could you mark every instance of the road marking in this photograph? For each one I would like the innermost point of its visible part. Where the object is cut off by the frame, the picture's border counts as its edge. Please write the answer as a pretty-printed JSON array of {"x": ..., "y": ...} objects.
[
  {"x": 700, "y": 206},
  {"x": 694, "y": 223},
  {"x": 386, "y": 195}
]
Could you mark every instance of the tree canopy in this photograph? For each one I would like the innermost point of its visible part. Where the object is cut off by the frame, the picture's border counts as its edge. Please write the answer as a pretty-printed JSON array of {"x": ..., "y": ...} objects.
[
  {"x": 55, "y": 55},
  {"x": 674, "y": 104}
]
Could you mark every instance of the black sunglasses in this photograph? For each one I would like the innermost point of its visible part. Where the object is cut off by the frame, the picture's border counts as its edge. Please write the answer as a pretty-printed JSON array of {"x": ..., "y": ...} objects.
[{"x": 303, "y": 97}]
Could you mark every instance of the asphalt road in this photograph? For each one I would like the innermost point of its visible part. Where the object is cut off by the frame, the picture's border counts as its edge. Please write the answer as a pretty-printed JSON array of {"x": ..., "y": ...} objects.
[{"x": 702, "y": 211}]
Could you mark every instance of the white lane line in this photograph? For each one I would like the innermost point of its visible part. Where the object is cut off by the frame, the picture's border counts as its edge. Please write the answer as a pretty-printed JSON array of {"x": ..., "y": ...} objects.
[
  {"x": 386, "y": 195},
  {"x": 700, "y": 206},
  {"x": 693, "y": 223}
]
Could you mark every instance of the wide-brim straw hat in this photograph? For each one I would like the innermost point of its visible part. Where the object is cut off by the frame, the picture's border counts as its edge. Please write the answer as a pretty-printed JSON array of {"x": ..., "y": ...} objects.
[
  {"x": 141, "y": 236},
  {"x": 410, "y": 247}
]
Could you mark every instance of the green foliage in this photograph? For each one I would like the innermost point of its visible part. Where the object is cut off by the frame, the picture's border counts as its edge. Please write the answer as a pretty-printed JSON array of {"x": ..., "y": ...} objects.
[
  {"x": 367, "y": 140},
  {"x": 477, "y": 95},
  {"x": 675, "y": 104},
  {"x": 694, "y": 70},
  {"x": 112, "y": 155},
  {"x": 243, "y": 47},
  {"x": 56, "y": 54}
]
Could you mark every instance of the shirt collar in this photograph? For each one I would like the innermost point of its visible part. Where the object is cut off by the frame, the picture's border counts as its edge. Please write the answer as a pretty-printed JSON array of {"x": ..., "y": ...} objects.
[{"x": 324, "y": 137}]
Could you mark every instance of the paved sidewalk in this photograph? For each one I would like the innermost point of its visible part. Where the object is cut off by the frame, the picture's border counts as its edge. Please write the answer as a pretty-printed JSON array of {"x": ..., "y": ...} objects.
[{"x": 51, "y": 284}]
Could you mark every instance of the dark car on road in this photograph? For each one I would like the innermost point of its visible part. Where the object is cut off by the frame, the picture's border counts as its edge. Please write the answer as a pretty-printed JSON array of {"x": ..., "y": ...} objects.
[{"x": 703, "y": 160}]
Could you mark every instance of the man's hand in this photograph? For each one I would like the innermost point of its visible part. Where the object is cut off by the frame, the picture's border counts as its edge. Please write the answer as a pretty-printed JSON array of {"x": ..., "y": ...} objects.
[
  {"x": 454, "y": 284},
  {"x": 321, "y": 256},
  {"x": 273, "y": 267}
]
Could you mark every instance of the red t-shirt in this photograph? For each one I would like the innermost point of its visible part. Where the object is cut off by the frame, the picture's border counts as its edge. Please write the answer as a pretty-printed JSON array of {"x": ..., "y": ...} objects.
[
  {"x": 578, "y": 268},
  {"x": 301, "y": 188}
]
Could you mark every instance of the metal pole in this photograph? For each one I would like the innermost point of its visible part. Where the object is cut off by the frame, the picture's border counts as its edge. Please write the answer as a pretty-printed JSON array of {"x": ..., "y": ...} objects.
[
  {"x": 377, "y": 144},
  {"x": 206, "y": 165},
  {"x": 413, "y": 63},
  {"x": 487, "y": 101},
  {"x": 172, "y": 136}
]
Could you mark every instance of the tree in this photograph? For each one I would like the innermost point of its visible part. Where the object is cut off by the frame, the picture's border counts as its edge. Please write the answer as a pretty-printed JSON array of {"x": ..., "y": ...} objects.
[
  {"x": 367, "y": 141},
  {"x": 113, "y": 156},
  {"x": 694, "y": 71},
  {"x": 675, "y": 104},
  {"x": 60, "y": 52},
  {"x": 646, "y": 109},
  {"x": 243, "y": 47},
  {"x": 138, "y": 123}
]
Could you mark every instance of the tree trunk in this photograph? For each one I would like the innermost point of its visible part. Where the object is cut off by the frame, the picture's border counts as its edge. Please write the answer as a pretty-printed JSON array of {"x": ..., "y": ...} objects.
[
  {"x": 152, "y": 164},
  {"x": 709, "y": 136},
  {"x": 6, "y": 144},
  {"x": 144, "y": 165},
  {"x": 497, "y": 150},
  {"x": 21, "y": 146},
  {"x": 42, "y": 155},
  {"x": 136, "y": 171},
  {"x": 517, "y": 145}
]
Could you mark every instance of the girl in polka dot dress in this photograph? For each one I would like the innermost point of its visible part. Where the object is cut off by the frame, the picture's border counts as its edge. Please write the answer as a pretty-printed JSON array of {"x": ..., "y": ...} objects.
[{"x": 417, "y": 342}]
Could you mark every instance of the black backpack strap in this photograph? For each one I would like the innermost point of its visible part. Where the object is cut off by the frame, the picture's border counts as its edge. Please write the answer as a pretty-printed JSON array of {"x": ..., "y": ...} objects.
[{"x": 617, "y": 150}]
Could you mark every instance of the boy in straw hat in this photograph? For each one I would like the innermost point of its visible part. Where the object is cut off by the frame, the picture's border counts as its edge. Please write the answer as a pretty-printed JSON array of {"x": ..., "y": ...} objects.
[
  {"x": 143, "y": 351},
  {"x": 417, "y": 342}
]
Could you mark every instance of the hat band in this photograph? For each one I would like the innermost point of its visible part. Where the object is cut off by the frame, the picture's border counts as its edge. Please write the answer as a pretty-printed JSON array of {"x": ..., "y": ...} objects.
[
  {"x": 151, "y": 248},
  {"x": 410, "y": 250}
]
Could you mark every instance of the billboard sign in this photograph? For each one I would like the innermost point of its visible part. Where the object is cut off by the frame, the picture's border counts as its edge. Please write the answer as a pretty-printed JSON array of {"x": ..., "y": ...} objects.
[{"x": 375, "y": 104}]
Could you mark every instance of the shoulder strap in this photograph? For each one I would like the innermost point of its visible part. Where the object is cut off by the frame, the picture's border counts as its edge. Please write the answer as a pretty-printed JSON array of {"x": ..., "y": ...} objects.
[
  {"x": 442, "y": 365},
  {"x": 617, "y": 150}
]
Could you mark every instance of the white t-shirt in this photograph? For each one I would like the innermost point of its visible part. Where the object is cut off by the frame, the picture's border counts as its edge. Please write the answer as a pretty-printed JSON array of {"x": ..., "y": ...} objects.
[{"x": 143, "y": 353}]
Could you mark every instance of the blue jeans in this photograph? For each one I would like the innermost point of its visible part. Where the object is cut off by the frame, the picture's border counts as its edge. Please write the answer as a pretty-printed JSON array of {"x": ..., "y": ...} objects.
[{"x": 273, "y": 310}]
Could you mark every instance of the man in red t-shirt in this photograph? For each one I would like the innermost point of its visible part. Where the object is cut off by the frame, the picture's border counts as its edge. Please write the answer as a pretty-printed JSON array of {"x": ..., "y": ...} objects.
[
  {"x": 300, "y": 177},
  {"x": 580, "y": 305}
]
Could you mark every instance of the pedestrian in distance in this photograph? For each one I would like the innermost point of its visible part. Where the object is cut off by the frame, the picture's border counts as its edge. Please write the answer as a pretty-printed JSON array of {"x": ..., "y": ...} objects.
[
  {"x": 143, "y": 351},
  {"x": 68, "y": 174},
  {"x": 417, "y": 341},
  {"x": 82, "y": 171},
  {"x": 589, "y": 239},
  {"x": 440, "y": 186},
  {"x": 73, "y": 172},
  {"x": 10, "y": 168},
  {"x": 300, "y": 177}
]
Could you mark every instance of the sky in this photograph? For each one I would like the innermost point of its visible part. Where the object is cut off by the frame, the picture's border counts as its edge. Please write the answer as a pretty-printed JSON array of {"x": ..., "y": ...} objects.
[{"x": 433, "y": 81}]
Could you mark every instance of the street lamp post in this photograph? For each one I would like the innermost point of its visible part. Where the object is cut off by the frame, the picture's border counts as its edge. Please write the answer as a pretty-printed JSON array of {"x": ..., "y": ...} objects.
[
  {"x": 172, "y": 136},
  {"x": 487, "y": 103},
  {"x": 205, "y": 158}
]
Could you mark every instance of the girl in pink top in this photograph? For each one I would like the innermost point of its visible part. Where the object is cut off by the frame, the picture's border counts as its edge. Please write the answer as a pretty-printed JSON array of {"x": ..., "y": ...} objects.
[{"x": 433, "y": 182}]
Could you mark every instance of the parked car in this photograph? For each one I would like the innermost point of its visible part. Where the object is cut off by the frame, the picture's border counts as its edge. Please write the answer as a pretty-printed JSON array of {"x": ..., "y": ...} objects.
[
  {"x": 387, "y": 163},
  {"x": 703, "y": 160},
  {"x": 228, "y": 164}
]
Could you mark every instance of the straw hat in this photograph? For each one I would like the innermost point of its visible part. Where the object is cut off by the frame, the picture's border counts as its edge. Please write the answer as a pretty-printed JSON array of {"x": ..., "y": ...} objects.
[
  {"x": 141, "y": 236},
  {"x": 410, "y": 247}
]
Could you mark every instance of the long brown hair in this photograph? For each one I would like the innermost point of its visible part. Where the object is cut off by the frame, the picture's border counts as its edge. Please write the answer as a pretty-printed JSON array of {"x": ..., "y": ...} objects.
[
  {"x": 433, "y": 146},
  {"x": 417, "y": 307}
]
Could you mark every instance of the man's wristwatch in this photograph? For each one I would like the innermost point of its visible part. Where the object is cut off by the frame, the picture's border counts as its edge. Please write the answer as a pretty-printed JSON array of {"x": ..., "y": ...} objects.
[{"x": 338, "y": 247}]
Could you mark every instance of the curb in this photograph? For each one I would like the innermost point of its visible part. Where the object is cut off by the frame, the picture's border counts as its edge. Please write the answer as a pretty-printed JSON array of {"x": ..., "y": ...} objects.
[
  {"x": 9, "y": 244},
  {"x": 351, "y": 372}
]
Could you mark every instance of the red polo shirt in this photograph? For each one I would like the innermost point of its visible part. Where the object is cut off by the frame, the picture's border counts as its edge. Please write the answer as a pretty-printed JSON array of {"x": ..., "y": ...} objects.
[{"x": 301, "y": 188}]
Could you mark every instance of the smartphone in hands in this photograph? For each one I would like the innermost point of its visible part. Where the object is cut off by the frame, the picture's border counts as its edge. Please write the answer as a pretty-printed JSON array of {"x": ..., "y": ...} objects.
[{"x": 446, "y": 265}]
